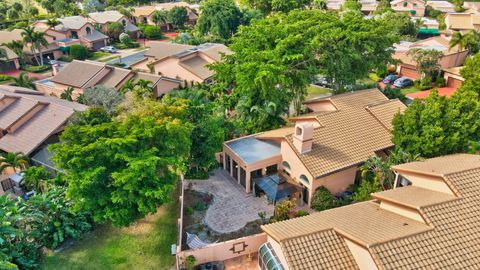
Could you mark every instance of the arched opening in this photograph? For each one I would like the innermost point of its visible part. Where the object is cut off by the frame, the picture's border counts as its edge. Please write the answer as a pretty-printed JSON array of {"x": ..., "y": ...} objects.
[
  {"x": 286, "y": 167},
  {"x": 124, "y": 23},
  {"x": 89, "y": 30},
  {"x": 304, "y": 179}
]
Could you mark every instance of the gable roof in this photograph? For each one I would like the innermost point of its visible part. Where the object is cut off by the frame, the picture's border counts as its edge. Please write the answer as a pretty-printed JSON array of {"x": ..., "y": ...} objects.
[
  {"x": 107, "y": 16},
  {"x": 71, "y": 23},
  {"x": 348, "y": 136},
  {"x": 10, "y": 54},
  {"x": 148, "y": 10},
  {"x": 198, "y": 66},
  {"x": 28, "y": 118},
  {"x": 462, "y": 21},
  {"x": 448, "y": 239},
  {"x": 78, "y": 73},
  {"x": 160, "y": 50}
]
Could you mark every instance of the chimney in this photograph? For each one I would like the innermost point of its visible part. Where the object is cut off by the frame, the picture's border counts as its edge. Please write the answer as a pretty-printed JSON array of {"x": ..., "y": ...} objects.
[
  {"x": 303, "y": 137},
  {"x": 54, "y": 69}
]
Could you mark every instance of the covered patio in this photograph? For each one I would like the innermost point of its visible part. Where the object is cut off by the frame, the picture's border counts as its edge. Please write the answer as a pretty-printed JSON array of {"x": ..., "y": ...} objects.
[
  {"x": 276, "y": 188},
  {"x": 248, "y": 158}
]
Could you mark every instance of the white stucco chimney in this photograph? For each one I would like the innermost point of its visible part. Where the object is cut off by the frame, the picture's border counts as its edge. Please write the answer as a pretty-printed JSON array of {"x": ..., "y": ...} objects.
[{"x": 303, "y": 137}]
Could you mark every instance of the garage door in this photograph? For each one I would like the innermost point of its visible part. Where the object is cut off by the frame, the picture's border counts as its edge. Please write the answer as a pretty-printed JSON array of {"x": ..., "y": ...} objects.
[
  {"x": 454, "y": 83},
  {"x": 7, "y": 66},
  {"x": 98, "y": 44},
  {"x": 409, "y": 72}
]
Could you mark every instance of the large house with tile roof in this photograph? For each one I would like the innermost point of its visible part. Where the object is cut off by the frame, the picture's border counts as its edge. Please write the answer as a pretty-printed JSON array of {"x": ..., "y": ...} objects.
[
  {"x": 324, "y": 148},
  {"x": 462, "y": 22},
  {"x": 10, "y": 61},
  {"x": 183, "y": 62},
  {"x": 414, "y": 7},
  {"x": 105, "y": 18},
  {"x": 81, "y": 75},
  {"x": 452, "y": 56},
  {"x": 73, "y": 30},
  {"x": 429, "y": 221},
  {"x": 143, "y": 14}
]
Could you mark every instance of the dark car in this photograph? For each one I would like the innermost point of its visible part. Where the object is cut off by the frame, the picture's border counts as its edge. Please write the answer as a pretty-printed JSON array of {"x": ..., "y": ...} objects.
[
  {"x": 403, "y": 82},
  {"x": 210, "y": 266},
  {"x": 390, "y": 79}
]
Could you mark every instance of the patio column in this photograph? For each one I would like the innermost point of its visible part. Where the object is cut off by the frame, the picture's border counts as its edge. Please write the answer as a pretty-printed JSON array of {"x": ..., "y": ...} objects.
[
  {"x": 247, "y": 179},
  {"x": 224, "y": 157},
  {"x": 231, "y": 167}
]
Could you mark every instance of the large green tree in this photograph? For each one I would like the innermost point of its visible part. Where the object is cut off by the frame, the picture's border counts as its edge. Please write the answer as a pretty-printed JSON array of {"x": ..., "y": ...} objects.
[
  {"x": 438, "y": 125},
  {"x": 123, "y": 169},
  {"x": 275, "y": 59},
  {"x": 471, "y": 73},
  {"x": 178, "y": 17},
  {"x": 427, "y": 61},
  {"x": 219, "y": 18},
  {"x": 268, "y": 6}
]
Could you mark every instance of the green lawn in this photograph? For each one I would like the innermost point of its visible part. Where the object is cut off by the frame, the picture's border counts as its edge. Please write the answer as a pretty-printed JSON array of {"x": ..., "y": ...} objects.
[
  {"x": 315, "y": 91},
  {"x": 145, "y": 245},
  {"x": 109, "y": 58},
  {"x": 409, "y": 90},
  {"x": 97, "y": 55}
]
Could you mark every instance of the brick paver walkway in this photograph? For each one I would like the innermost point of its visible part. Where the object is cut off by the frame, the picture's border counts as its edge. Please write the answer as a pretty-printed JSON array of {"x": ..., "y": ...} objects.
[{"x": 232, "y": 208}]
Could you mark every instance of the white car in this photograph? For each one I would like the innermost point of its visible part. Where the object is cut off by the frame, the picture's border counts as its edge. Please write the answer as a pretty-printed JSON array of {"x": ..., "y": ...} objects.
[{"x": 109, "y": 49}]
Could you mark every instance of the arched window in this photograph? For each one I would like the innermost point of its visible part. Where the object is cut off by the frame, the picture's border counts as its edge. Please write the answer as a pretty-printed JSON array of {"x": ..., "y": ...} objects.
[
  {"x": 405, "y": 4},
  {"x": 89, "y": 30},
  {"x": 304, "y": 179},
  {"x": 286, "y": 167},
  {"x": 124, "y": 23}
]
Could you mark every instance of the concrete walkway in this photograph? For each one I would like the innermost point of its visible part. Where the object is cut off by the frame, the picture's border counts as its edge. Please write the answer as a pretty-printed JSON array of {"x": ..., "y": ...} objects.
[{"x": 232, "y": 208}]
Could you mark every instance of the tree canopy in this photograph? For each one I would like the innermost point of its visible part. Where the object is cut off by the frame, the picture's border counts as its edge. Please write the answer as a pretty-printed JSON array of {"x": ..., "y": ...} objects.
[
  {"x": 219, "y": 18},
  {"x": 122, "y": 169},
  {"x": 470, "y": 72},
  {"x": 275, "y": 59}
]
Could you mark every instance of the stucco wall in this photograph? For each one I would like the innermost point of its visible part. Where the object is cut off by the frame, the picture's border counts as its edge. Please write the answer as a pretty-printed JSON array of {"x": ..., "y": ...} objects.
[
  {"x": 297, "y": 168},
  {"x": 338, "y": 182},
  {"x": 170, "y": 68},
  {"x": 321, "y": 106},
  {"x": 402, "y": 210},
  {"x": 419, "y": 9},
  {"x": 428, "y": 182},
  {"x": 223, "y": 251},
  {"x": 362, "y": 257},
  {"x": 453, "y": 60}
]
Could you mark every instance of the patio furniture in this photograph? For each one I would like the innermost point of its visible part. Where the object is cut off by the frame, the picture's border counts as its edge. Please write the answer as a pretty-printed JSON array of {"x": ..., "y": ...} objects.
[{"x": 194, "y": 242}]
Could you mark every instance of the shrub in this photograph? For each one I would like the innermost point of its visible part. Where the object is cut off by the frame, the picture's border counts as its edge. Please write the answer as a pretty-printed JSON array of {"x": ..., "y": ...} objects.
[
  {"x": 382, "y": 71},
  {"x": 36, "y": 69},
  {"x": 440, "y": 82},
  {"x": 200, "y": 206},
  {"x": 188, "y": 211},
  {"x": 153, "y": 32},
  {"x": 302, "y": 213},
  {"x": 124, "y": 38},
  {"x": 66, "y": 58},
  {"x": 190, "y": 262},
  {"x": 365, "y": 189},
  {"x": 393, "y": 93},
  {"x": 4, "y": 77},
  {"x": 284, "y": 210},
  {"x": 79, "y": 52},
  {"x": 102, "y": 96},
  {"x": 323, "y": 200}
]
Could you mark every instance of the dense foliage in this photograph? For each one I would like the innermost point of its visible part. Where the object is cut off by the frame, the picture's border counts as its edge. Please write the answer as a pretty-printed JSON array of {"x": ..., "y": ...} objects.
[
  {"x": 322, "y": 199},
  {"x": 275, "y": 59},
  {"x": 121, "y": 169},
  {"x": 79, "y": 52},
  {"x": 101, "y": 96},
  {"x": 44, "y": 220},
  {"x": 219, "y": 18},
  {"x": 471, "y": 74},
  {"x": 438, "y": 125}
]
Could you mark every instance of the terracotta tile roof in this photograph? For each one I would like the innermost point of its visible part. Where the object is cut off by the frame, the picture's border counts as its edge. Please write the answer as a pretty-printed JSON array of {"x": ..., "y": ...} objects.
[
  {"x": 450, "y": 239},
  {"x": 462, "y": 21},
  {"x": 115, "y": 77},
  {"x": 365, "y": 223},
  {"x": 71, "y": 22},
  {"x": 278, "y": 133},
  {"x": 160, "y": 50},
  {"x": 442, "y": 165},
  {"x": 28, "y": 118},
  {"x": 383, "y": 111},
  {"x": 321, "y": 250},
  {"x": 10, "y": 54},
  {"x": 454, "y": 242},
  {"x": 414, "y": 197},
  {"x": 83, "y": 70},
  {"x": 106, "y": 16},
  {"x": 147, "y": 10},
  {"x": 198, "y": 66},
  {"x": 351, "y": 134}
]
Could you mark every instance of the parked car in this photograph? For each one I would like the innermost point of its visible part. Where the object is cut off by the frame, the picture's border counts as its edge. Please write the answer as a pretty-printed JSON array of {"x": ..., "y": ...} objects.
[
  {"x": 321, "y": 81},
  {"x": 109, "y": 49},
  {"x": 210, "y": 266},
  {"x": 403, "y": 82},
  {"x": 390, "y": 79}
]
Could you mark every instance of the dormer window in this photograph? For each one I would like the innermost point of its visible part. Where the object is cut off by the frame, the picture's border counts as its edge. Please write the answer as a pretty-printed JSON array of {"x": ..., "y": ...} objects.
[
  {"x": 405, "y": 4},
  {"x": 88, "y": 30}
]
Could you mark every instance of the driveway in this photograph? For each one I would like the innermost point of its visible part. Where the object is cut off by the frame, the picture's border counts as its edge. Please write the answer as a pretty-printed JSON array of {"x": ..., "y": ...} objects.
[
  {"x": 232, "y": 208},
  {"x": 128, "y": 58}
]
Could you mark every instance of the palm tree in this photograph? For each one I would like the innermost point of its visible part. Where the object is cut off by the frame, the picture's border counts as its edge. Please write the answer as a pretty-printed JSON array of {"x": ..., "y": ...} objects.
[
  {"x": 24, "y": 80},
  {"x": 15, "y": 160},
  {"x": 3, "y": 55},
  {"x": 52, "y": 22},
  {"x": 67, "y": 94},
  {"x": 36, "y": 40},
  {"x": 459, "y": 40},
  {"x": 160, "y": 17},
  {"x": 17, "y": 47}
]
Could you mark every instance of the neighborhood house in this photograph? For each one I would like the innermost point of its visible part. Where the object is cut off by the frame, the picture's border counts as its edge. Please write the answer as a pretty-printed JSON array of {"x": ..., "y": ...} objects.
[
  {"x": 144, "y": 14},
  {"x": 10, "y": 62},
  {"x": 414, "y": 7},
  {"x": 182, "y": 62},
  {"x": 105, "y": 18},
  {"x": 81, "y": 75},
  {"x": 429, "y": 221},
  {"x": 324, "y": 148}
]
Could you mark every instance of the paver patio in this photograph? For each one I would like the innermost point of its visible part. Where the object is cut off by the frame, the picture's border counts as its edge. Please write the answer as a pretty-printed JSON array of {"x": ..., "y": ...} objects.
[{"x": 232, "y": 208}]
